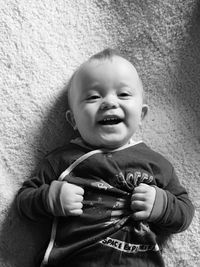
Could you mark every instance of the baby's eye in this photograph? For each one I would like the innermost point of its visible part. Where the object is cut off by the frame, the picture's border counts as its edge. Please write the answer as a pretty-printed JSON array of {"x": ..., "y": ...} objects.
[
  {"x": 93, "y": 97},
  {"x": 124, "y": 94}
]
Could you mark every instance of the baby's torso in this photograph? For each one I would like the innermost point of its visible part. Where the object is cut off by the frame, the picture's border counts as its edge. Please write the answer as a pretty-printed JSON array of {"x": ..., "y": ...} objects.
[{"x": 105, "y": 234}]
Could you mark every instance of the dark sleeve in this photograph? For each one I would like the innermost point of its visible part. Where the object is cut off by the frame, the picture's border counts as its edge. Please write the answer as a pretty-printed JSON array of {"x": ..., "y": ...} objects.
[
  {"x": 32, "y": 197},
  {"x": 179, "y": 210}
]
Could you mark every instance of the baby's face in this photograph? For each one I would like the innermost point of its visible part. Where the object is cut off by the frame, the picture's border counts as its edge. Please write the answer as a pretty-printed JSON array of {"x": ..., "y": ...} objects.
[{"x": 107, "y": 102}]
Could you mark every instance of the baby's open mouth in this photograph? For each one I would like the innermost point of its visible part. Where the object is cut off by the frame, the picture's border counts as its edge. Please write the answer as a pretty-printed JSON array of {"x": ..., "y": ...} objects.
[{"x": 110, "y": 120}]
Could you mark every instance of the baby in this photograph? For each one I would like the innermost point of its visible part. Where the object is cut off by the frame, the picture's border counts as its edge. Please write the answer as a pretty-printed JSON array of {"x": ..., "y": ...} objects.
[{"x": 112, "y": 201}]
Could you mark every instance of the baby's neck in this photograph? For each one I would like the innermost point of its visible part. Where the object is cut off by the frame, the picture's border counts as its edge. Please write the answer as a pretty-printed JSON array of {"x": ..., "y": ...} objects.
[{"x": 79, "y": 141}]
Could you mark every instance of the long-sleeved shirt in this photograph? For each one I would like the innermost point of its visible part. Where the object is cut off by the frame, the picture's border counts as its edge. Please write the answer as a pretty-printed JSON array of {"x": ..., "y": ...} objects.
[{"x": 106, "y": 234}]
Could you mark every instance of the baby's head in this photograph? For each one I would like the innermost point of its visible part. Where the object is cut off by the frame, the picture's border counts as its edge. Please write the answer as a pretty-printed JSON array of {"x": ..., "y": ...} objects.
[{"x": 106, "y": 100}]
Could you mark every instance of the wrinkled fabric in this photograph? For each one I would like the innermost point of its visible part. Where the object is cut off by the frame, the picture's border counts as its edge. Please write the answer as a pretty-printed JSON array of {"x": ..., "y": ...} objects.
[{"x": 106, "y": 234}]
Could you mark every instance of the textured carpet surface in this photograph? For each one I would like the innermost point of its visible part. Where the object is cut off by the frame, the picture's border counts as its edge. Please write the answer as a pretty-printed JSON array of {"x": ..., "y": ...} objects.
[{"x": 41, "y": 44}]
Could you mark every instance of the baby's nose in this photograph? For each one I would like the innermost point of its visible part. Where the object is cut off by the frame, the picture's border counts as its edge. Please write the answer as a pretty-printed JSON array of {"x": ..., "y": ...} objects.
[{"x": 109, "y": 102}]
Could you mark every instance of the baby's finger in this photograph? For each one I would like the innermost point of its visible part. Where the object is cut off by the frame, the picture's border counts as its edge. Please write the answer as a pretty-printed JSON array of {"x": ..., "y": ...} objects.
[
  {"x": 77, "y": 189},
  {"x": 78, "y": 198},
  {"x": 138, "y": 196},
  {"x": 141, "y": 188},
  {"x": 76, "y": 205},
  {"x": 137, "y": 205},
  {"x": 76, "y": 212},
  {"x": 72, "y": 209},
  {"x": 140, "y": 215}
]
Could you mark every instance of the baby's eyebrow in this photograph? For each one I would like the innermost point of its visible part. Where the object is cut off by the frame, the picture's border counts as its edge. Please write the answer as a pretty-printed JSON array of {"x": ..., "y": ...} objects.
[
  {"x": 94, "y": 87},
  {"x": 122, "y": 84}
]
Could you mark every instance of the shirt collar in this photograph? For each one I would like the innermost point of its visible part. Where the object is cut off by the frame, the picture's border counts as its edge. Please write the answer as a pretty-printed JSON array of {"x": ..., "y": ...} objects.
[{"x": 80, "y": 142}]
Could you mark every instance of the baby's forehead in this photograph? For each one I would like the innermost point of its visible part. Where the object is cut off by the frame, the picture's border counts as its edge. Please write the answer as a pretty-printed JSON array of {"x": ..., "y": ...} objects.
[{"x": 95, "y": 68}]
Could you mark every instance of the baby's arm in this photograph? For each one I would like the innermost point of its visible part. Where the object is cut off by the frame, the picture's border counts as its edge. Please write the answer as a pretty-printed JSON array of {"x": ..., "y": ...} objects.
[
  {"x": 44, "y": 197},
  {"x": 179, "y": 210},
  {"x": 168, "y": 208}
]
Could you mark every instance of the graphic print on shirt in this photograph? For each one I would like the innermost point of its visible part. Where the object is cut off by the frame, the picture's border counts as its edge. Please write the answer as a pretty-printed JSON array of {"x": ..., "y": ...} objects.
[
  {"x": 128, "y": 247},
  {"x": 132, "y": 178}
]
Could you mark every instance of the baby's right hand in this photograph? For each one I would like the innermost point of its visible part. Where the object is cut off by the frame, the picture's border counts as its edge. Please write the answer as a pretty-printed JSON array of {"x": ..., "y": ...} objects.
[{"x": 65, "y": 199}]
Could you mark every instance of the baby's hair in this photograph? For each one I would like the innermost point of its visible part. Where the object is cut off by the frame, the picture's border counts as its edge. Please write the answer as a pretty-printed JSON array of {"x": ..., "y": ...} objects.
[{"x": 107, "y": 53}]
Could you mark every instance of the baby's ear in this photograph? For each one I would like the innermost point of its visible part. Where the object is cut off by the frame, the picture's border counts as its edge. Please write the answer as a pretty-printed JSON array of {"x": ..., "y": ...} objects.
[
  {"x": 70, "y": 119},
  {"x": 145, "y": 109}
]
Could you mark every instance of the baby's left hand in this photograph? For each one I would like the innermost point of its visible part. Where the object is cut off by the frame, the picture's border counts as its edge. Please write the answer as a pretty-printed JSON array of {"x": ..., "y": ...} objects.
[{"x": 142, "y": 201}]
